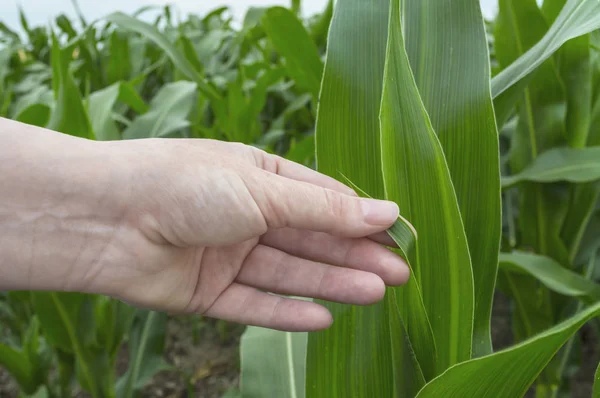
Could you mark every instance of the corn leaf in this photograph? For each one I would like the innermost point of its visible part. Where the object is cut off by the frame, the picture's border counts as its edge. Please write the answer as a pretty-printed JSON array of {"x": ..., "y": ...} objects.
[
  {"x": 402, "y": 232},
  {"x": 448, "y": 53},
  {"x": 353, "y": 357},
  {"x": 36, "y": 115},
  {"x": 596, "y": 389},
  {"x": 577, "y": 18},
  {"x": 146, "y": 347},
  {"x": 28, "y": 365},
  {"x": 68, "y": 115},
  {"x": 16, "y": 363},
  {"x": 510, "y": 372},
  {"x": 416, "y": 175},
  {"x": 65, "y": 320},
  {"x": 553, "y": 275},
  {"x": 119, "y": 63},
  {"x": 293, "y": 43},
  {"x": 168, "y": 112},
  {"x": 101, "y": 104},
  {"x": 560, "y": 164},
  {"x": 414, "y": 320},
  {"x": 179, "y": 60},
  {"x": 540, "y": 126},
  {"x": 273, "y": 363}
]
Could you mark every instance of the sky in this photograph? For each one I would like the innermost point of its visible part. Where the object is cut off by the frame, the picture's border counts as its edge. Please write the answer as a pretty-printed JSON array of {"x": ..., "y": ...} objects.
[{"x": 40, "y": 11}]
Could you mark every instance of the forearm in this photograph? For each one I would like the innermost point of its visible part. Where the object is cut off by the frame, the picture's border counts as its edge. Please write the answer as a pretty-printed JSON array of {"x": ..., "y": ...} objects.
[{"x": 56, "y": 214}]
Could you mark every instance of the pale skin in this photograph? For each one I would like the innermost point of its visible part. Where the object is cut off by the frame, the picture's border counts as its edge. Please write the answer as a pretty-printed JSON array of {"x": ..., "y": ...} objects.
[{"x": 188, "y": 226}]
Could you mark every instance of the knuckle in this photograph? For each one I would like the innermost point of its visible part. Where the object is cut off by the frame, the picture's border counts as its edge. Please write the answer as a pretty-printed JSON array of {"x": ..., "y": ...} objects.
[{"x": 337, "y": 205}]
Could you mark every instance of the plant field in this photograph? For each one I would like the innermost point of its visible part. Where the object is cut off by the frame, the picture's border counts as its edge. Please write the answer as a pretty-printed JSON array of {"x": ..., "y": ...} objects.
[{"x": 486, "y": 134}]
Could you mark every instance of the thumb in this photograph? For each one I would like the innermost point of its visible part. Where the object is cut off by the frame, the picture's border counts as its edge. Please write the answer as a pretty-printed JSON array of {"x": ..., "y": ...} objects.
[{"x": 289, "y": 203}]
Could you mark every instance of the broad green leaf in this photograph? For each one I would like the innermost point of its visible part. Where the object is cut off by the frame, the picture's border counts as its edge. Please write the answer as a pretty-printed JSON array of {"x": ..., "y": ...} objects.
[
  {"x": 457, "y": 98},
  {"x": 415, "y": 175},
  {"x": 576, "y": 72},
  {"x": 119, "y": 62},
  {"x": 409, "y": 303},
  {"x": 532, "y": 312},
  {"x": 36, "y": 115},
  {"x": 16, "y": 363},
  {"x": 353, "y": 357},
  {"x": 190, "y": 53},
  {"x": 146, "y": 347},
  {"x": 113, "y": 319},
  {"x": 577, "y": 18},
  {"x": 320, "y": 27},
  {"x": 281, "y": 373},
  {"x": 41, "y": 94},
  {"x": 101, "y": 105},
  {"x": 178, "y": 58},
  {"x": 65, "y": 25},
  {"x": 302, "y": 150},
  {"x": 66, "y": 327},
  {"x": 293, "y": 43},
  {"x": 402, "y": 232},
  {"x": 553, "y": 275},
  {"x": 510, "y": 372},
  {"x": 68, "y": 115},
  {"x": 168, "y": 112},
  {"x": 28, "y": 365},
  {"x": 560, "y": 164},
  {"x": 540, "y": 126}
]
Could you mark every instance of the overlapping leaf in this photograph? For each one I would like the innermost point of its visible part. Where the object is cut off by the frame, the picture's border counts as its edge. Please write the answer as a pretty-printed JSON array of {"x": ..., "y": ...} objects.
[
  {"x": 560, "y": 164},
  {"x": 448, "y": 53},
  {"x": 416, "y": 175},
  {"x": 507, "y": 373},
  {"x": 358, "y": 363},
  {"x": 551, "y": 274},
  {"x": 273, "y": 363}
]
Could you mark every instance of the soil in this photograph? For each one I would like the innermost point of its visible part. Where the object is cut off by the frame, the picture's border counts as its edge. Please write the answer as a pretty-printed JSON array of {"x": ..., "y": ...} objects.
[{"x": 205, "y": 359}]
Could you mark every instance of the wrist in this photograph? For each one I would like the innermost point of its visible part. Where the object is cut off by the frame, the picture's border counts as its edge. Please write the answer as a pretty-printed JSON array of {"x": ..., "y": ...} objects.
[{"x": 62, "y": 201}]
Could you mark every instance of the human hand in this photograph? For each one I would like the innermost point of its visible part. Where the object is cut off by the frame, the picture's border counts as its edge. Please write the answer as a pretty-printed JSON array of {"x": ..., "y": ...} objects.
[{"x": 208, "y": 227}]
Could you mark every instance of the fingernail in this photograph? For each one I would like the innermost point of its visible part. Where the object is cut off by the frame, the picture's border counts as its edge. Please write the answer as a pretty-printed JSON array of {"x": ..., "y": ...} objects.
[{"x": 379, "y": 212}]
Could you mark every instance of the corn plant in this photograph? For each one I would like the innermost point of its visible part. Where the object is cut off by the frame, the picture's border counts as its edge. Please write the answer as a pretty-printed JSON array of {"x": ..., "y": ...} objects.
[
  {"x": 488, "y": 143},
  {"x": 122, "y": 78}
]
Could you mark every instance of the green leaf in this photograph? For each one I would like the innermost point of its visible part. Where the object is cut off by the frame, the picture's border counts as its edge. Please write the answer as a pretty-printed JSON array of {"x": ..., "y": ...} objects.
[
  {"x": 281, "y": 373},
  {"x": 17, "y": 364},
  {"x": 119, "y": 61},
  {"x": 69, "y": 115},
  {"x": 101, "y": 104},
  {"x": 320, "y": 28},
  {"x": 353, "y": 358},
  {"x": 596, "y": 390},
  {"x": 36, "y": 115},
  {"x": 540, "y": 127},
  {"x": 560, "y": 164},
  {"x": 510, "y": 372},
  {"x": 168, "y": 112},
  {"x": 402, "y": 232},
  {"x": 113, "y": 319},
  {"x": 553, "y": 275},
  {"x": 29, "y": 366},
  {"x": 294, "y": 44},
  {"x": 415, "y": 175},
  {"x": 66, "y": 327},
  {"x": 577, "y": 18},
  {"x": 146, "y": 347},
  {"x": 178, "y": 58},
  {"x": 457, "y": 98}
]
